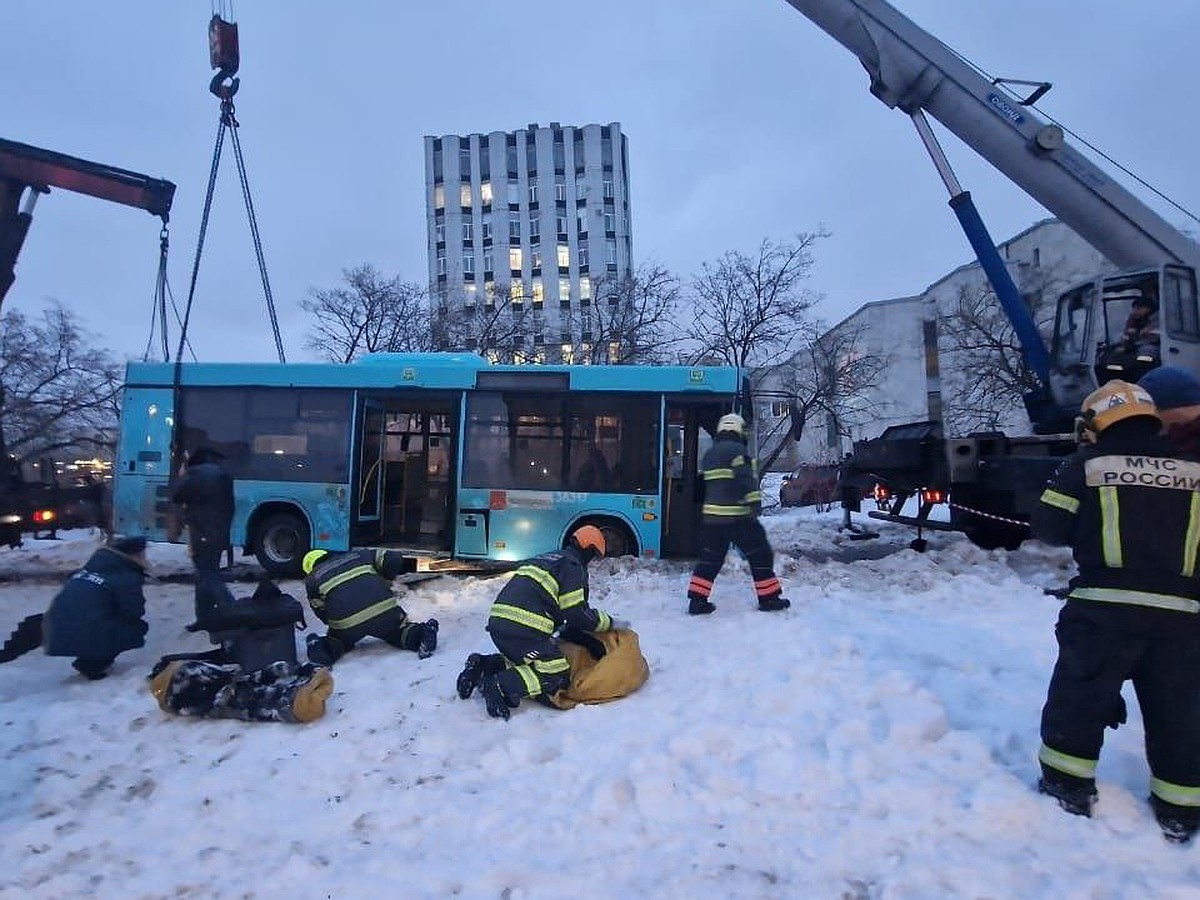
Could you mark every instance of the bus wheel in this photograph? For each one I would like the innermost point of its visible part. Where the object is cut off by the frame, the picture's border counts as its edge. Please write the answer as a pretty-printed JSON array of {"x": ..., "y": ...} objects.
[
  {"x": 617, "y": 540},
  {"x": 283, "y": 539}
]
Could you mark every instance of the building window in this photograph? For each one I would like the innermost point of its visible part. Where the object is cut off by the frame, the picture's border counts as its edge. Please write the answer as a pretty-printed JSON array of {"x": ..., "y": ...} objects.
[
  {"x": 564, "y": 287},
  {"x": 514, "y": 226},
  {"x": 464, "y": 164},
  {"x": 485, "y": 193},
  {"x": 514, "y": 191},
  {"x": 468, "y": 261},
  {"x": 583, "y": 259},
  {"x": 439, "y": 232},
  {"x": 561, "y": 223},
  {"x": 564, "y": 256},
  {"x": 581, "y": 221},
  {"x": 464, "y": 195},
  {"x": 468, "y": 232},
  {"x": 610, "y": 223},
  {"x": 530, "y": 153},
  {"x": 608, "y": 189},
  {"x": 614, "y": 352},
  {"x": 489, "y": 293},
  {"x": 610, "y": 252},
  {"x": 533, "y": 190},
  {"x": 439, "y": 196},
  {"x": 437, "y": 162},
  {"x": 469, "y": 295},
  {"x": 539, "y": 292},
  {"x": 489, "y": 261},
  {"x": 514, "y": 258},
  {"x": 606, "y": 151},
  {"x": 535, "y": 258},
  {"x": 535, "y": 230},
  {"x": 560, "y": 191},
  {"x": 441, "y": 263},
  {"x": 511, "y": 158},
  {"x": 585, "y": 288},
  {"x": 568, "y": 353},
  {"x": 487, "y": 228}
]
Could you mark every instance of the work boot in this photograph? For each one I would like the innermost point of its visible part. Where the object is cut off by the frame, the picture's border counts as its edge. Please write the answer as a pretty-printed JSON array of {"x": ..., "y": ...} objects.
[
  {"x": 1077, "y": 796},
  {"x": 323, "y": 650},
  {"x": 699, "y": 607},
  {"x": 470, "y": 676},
  {"x": 427, "y": 642},
  {"x": 1179, "y": 824},
  {"x": 773, "y": 604},
  {"x": 498, "y": 702}
]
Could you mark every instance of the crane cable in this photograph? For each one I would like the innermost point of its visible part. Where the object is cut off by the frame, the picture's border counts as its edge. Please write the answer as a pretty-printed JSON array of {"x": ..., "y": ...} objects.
[{"x": 999, "y": 82}]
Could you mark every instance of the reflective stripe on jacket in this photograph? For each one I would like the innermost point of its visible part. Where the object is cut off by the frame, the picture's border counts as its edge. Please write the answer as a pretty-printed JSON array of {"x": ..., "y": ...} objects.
[
  {"x": 550, "y": 591},
  {"x": 731, "y": 488},
  {"x": 1129, "y": 507},
  {"x": 348, "y": 590}
]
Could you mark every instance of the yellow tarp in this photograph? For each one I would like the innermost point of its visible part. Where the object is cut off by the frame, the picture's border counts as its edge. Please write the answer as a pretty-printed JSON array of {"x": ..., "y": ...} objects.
[{"x": 620, "y": 672}]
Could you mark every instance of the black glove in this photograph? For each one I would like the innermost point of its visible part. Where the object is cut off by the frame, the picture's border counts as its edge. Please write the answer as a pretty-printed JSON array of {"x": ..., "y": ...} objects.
[{"x": 589, "y": 642}]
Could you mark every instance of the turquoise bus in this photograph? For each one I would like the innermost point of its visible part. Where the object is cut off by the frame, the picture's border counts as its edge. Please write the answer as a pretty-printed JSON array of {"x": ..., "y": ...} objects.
[{"x": 458, "y": 462}]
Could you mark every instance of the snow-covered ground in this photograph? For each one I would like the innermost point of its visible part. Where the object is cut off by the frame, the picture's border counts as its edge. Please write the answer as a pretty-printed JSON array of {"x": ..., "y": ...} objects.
[{"x": 877, "y": 740}]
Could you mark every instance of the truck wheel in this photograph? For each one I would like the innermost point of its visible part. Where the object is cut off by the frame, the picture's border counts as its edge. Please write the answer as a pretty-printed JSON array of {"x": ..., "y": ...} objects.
[
  {"x": 994, "y": 536},
  {"x": 283, "y": 539}
]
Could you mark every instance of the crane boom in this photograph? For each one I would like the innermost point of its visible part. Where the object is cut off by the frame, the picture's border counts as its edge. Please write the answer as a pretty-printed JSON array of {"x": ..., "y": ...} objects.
[{"x": 912, "y": 70}]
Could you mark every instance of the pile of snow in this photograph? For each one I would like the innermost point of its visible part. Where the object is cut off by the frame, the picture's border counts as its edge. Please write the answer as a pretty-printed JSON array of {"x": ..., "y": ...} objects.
[{"x": 877, "y": 740}]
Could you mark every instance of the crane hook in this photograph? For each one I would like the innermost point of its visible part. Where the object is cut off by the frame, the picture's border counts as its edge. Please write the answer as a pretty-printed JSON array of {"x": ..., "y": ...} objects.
[{"x": 224, "y": 56}]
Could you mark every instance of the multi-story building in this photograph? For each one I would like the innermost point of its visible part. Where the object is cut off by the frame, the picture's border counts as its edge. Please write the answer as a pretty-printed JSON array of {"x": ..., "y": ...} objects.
[
  {"x": 525, "y": 229},
  {"x": 922, "y": 375}
]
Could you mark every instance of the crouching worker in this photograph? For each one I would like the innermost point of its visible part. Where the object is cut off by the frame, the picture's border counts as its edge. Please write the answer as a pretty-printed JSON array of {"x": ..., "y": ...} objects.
[
  {"x": 352, "y": 594},
  {"x": 281, "y": 692},
  {"x": 546, "y": 594},
  {"x": 98, "y": 614}
]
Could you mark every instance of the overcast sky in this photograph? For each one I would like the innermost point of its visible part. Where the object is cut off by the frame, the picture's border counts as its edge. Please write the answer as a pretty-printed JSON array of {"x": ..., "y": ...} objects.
[{"x": 744, "y": 121}]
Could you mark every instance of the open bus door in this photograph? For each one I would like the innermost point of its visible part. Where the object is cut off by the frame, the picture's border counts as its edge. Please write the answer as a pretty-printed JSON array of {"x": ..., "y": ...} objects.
[
  {"x": 405, "y": 488},
  {"x": 689, "y": 433}
]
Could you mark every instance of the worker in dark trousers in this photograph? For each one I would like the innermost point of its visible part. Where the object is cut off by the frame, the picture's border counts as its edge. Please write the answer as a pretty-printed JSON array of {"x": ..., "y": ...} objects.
[
  {"x": 205, "y": 492},
  {"x": 546, "y": 595},
  {"x": 352, "y": 594},
  {"x": 732, "y": 502},
  {"x": 1126, "y": 503}
]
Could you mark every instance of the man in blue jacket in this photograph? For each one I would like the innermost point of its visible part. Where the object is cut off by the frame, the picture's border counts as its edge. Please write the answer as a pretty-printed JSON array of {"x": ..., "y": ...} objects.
[{"x": 100, "y": 611}]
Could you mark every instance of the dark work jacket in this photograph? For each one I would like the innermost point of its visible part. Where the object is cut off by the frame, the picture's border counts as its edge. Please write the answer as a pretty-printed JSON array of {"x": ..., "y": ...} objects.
[
  {"x": 206, "y": 493},
  {"x": 1185, "y": 437},
  {"x": 547, "y": 592},
  {"x": 1129, "y": 508},
  {"x": 349, "y": 591},
  {"x": 731, "y": 489},
  {"x": 99, "y": 612}
]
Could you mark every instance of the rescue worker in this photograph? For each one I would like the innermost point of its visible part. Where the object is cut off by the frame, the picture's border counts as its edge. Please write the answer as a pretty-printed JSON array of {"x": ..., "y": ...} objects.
[
  {"x": 547, "y": 595},
  {"x": 732, "y": 502},
  {"x": 205, "y": 491},
  {"x": 1131, "y": 612},
  {"x": 352, "y": 594},
  {"x": 1176, "y": 393},
  {"x": 100, "y": 611}
]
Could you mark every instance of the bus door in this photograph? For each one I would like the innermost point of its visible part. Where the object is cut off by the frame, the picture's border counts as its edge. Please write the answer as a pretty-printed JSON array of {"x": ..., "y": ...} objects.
[
  {"x": 689, "y": 433},
  {"x": 370, "y": 480},
  {"x": 417, "y": 474}
]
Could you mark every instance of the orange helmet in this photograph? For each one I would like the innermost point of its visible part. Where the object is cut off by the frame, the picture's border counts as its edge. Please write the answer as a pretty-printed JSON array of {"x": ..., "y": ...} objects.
[
  {"x": 1114, "y": 401},
  {"x": 589, "y": 537}
]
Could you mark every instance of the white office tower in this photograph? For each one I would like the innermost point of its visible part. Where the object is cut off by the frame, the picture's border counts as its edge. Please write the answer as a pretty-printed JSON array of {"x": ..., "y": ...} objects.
[{"x": 528, "y": 231}]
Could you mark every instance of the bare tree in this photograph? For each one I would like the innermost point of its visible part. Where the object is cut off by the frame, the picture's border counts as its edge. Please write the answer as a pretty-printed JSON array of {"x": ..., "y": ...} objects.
[
  {"x": 834, "y": 375},
  {"x": 631, "y": 319},
  {"x": 371, "y": 313},
  {"x": 498, "y": 327},
  {"x": 56, "y": 390},
  {"x": 752, "y": 310}
]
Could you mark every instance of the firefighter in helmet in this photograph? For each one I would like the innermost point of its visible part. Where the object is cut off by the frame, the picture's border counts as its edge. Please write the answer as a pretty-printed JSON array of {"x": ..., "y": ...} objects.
[
  {"x": 1131, "y": 612},
  {"x": 352, "y": 594},
  {"x": 546, "y": 595},
  {"x": 732, "y": 502}
]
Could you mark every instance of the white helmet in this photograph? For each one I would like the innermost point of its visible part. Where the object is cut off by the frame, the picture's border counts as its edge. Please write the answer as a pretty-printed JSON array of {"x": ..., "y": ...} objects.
[{"x": 732, "y": 422}]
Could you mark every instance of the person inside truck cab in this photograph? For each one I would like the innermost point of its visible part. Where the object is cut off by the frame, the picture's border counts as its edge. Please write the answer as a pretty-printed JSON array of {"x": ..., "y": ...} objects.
[{"x": 1141, "y": 330}]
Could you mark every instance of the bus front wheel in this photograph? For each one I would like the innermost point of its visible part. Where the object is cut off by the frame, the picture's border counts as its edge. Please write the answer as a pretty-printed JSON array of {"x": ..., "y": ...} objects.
[{"x": 283, "y": 539}]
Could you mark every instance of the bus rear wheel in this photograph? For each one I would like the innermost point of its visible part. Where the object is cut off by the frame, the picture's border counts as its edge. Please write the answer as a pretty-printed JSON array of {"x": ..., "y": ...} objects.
[
  {"x": 617, "y": 539},
  {"x": 283, "y": 539}
]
